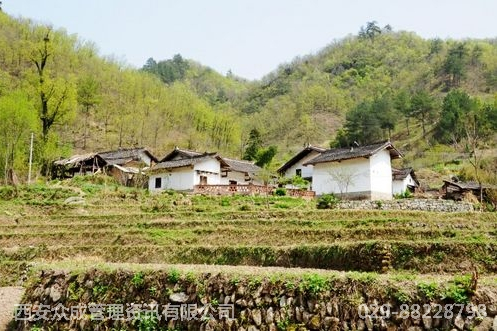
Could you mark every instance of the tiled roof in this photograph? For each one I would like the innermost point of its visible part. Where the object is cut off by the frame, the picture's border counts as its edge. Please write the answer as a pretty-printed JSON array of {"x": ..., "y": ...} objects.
[
  {"x": 183, "y": 153},
  {"x": 469, "y": 185},
  {"x": 400, "y": 174},
  {"x": 242, "y": 166},
  {"x": 299, "y": 156},
  {"x": 124, "y": 155},
  {"x": 76, "y": 159},
  {"x": 188, "y": 161},
  {"x": 340, "y": 154}
]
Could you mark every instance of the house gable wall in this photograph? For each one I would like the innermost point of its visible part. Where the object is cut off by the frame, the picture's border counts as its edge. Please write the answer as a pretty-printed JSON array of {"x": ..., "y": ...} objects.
[
  {"x": 306, "y": 170},
  {"x": 145, "y": 158},
  {"x": 210, "y": 168},
  {"x": 400, "y": 186},
  {"x": 381, "y": 175},
  {"x": 185, "y": 178},
  {"x": 239, "y": 177},
  {"x": 325, "y": 178},
  {"x": 180, "y": 179}
]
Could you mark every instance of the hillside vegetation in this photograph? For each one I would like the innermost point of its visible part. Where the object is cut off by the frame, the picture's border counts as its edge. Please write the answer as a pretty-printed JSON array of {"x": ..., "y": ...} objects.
[{"x": 375, "y": 85}]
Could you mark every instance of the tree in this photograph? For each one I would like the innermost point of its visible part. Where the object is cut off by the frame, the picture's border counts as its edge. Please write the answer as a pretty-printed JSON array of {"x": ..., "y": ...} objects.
[
  {"x": 56, "y": 97},
  {"x": 402, "y": 103},
  {"x": 371, "y": 31},
  {"x": 150, "y": 66},
  {"x": 362, "y": 124},
  {"x": 386, "y": 112},
  {"x": 253, "y": 145},
  {"x": 477, "y": 127},
  {"x": 171, "y": 70},
  {"x": 88, "y": 97},
  {"x": 343, "y": 177},
  {"x": 450, "y": 128},
  {"x": 55, "y": 94},
  {"x": 17, "y": 119},
  {"x": 265, "y": 156},
  {"x": 422, "y": 108},
  {"x": 455, "y": 64}
]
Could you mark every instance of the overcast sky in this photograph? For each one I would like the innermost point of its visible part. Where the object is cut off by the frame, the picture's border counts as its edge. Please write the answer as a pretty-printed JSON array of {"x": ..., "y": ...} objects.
[{"x": 250, "y": 37}]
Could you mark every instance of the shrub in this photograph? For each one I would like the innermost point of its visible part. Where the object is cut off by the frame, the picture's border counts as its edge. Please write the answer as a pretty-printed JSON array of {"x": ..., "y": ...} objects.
[
  {"x": 280, "y": 192},
  {"x": 428, "y": 290},
  {"x": 7, "y": 192},
  {"x": 138, "y": 280},
  {"x": 404, "y": 195},
  {"x": 313, "y": 283},
  {"x": 327, "y": 201},
  {"x": 225, "y": 202},
  {"x": 146, "y": 322},
  {"x": 173, "y": 275},
  {"x": 459, "y": 289},
  {"x": 244, "y": 208}
]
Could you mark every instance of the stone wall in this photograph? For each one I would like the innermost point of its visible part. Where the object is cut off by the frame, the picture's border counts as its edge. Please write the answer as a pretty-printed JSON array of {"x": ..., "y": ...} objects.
[
  {"x": 277, "y": 302},
  {"x": 409, "y": 204}
]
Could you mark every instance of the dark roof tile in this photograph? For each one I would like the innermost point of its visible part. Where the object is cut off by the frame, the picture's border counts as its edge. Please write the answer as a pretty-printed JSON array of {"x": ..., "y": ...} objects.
[
  {"x": 340, "y": 154},
  {"x": 242, "y": 166}
]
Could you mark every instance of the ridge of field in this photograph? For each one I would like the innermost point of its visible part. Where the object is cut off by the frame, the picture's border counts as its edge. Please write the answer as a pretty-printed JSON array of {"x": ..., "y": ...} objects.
[{"x": 112, "y": 224}]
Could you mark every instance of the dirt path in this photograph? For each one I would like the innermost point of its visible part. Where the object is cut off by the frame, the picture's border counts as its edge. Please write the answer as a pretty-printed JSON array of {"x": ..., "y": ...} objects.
[{"x": 9, "y": 296}]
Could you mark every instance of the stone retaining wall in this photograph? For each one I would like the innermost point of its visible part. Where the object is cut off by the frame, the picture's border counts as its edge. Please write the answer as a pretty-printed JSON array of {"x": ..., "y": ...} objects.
[
  {"x": 409, "y": 204},
  {"x": 310, "y": 302}
]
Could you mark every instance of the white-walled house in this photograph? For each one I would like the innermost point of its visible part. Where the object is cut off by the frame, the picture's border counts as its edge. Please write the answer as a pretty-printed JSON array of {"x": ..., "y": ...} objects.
[
  {"x": 240, "y": 173},
  {"x": 295, "y": 166},
  {"x": 404, "y": 180},
  {"x": 183, "y": 173},
  {"x": 362, "y": 172}
]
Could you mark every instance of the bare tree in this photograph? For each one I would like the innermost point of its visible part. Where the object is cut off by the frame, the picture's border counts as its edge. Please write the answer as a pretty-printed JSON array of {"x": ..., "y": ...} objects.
[
  {"x": 476, "y": 130},
  {"x": 343, "y": 177}
]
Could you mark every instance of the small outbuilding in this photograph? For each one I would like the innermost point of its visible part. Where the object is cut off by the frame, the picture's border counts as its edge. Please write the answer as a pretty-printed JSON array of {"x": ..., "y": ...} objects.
[
  {"x": 127, "y": 165},
  {"x": 84, "y": 164},
  {"x": 404, "y": 180},
  {"x": 240, "y": 173},
  {"x": 456, "y": 190}
]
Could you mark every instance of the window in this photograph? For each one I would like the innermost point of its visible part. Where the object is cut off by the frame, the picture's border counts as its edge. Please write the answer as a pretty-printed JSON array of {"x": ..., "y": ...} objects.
[
  {"x": 158, "y": 182},
  {"x": 203, "y": 180},
  {"x": 233, "y": 182},
  {"x": 298, "y": 172}
]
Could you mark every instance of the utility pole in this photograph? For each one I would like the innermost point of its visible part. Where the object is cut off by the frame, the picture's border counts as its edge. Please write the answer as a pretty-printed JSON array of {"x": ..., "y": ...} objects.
[{"x": 30, "y": 157}]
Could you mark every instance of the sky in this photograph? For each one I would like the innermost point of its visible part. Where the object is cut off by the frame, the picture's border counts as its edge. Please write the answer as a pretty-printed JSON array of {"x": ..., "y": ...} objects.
[{"x": 249, "y": 37}]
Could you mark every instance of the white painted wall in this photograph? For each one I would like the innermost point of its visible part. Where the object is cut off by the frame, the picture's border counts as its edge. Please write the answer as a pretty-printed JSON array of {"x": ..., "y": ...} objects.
[
  {"x": 184, "y": 178},
  {"x": 324, "y": 173},
  {"x": 239, "y": 177},
  {"x": 381, "y": 175},
  {"x": 176, "y": 179},
  {"x": 372, "y": 176},
  {"x": 146, "y": 158},
  {"x": 400, "y": 186},
  {"x": 306, "y": 170},
  {"x": 212, "y": 167}
]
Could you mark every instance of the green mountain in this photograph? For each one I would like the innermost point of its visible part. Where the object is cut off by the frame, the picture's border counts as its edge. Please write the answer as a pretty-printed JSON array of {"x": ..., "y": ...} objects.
[{"x": 375, "y": 85}]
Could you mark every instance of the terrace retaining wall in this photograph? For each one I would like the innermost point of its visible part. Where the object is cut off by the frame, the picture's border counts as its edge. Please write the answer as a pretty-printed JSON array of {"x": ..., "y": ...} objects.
[
  {"x": 435, "y": 205},
  {"x": 251, "y": 303}
]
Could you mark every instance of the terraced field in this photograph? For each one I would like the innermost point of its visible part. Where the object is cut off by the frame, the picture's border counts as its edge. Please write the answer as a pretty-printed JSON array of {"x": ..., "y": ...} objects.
[
  {"x": 274, "y": 231},
  {"x": 118, "y": 227}
]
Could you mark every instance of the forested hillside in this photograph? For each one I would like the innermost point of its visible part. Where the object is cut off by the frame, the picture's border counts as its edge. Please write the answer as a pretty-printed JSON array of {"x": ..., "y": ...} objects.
[
  {"x": 373, "y": 85},
  {"x": 57, "y": 86}
]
